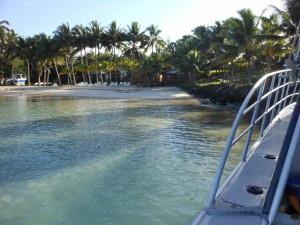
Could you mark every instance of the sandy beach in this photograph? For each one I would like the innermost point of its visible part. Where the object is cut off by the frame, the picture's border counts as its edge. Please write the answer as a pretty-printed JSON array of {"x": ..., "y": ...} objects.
[{"x": 98, "y": 91}]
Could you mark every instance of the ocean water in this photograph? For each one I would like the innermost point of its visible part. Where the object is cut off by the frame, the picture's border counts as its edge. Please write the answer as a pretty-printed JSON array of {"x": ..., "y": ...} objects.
[{"x": 80, "y": 161}]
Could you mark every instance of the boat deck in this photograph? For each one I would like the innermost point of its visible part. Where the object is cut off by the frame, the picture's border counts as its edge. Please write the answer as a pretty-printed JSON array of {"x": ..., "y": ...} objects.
[
  {"x": 258, "y": 169},
  {"x": 234, "y": 204}
]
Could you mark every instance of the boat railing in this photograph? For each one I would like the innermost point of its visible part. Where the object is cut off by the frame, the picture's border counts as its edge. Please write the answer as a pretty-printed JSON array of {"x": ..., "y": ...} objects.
[{"x": 266, "y": 99}]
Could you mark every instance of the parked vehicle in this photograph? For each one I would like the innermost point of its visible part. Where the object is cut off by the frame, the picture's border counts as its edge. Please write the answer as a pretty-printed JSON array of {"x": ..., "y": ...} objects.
[{"x": 16, "y": 79}]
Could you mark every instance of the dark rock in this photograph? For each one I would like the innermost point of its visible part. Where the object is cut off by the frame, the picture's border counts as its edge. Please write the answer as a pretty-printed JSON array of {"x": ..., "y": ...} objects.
[{"x": 223, "y": 94}]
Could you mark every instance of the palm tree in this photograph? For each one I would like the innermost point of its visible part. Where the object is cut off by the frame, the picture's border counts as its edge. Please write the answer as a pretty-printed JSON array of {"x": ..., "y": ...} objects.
[
  {"x": 108, "y": 65},
  {"x": 9, "y": 63},
  {"x": 3, "y": 34},
  {"x": 168, "y": 53},
  {"x": 182, "y": 49},
  {"x": 136, "y": 41},
  {"x": 290, "y": 16},
  {"x": 187, "y": 58},
  {"x": 271, "y": 40},
  {"x": 241, "y": 41},
  {"x": 64, "y": 40},
  {"x": 79, "y": 35},
  {"x": 155, "y": 41},
  {"x": 56, "y": 56},
  {"x": 193, "y": 61},
  {"x": 113, "y": 39},
  {"x": 42, "y": 56},
  {"x": 130, "y": 65},
  {"x": 293, "y": 9},
  {"x": 218, "y": 32},
  {"x": 202, "y": 38},
  {"x": 147, "y": 69},
  {"x": 50, "y": 55},
  {"x": 81, "y": 42},
  {"x": 24, "y": 49},
  {"x": 3, "y": 30},
  {"x": 217, "y": 39},
  {"x": 95, "y": 35}
]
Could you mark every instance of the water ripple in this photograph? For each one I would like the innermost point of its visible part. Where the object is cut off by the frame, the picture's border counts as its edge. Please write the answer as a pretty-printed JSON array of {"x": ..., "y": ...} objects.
[{"x": 89, "y": 161}]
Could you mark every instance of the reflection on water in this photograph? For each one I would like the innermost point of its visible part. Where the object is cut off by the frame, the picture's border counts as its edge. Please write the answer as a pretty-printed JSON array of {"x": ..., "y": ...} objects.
[{"x": 89, "y": 161}]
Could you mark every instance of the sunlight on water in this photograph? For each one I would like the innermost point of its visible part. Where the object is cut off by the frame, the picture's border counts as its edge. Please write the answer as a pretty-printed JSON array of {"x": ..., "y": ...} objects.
[{"x": 90, "y": 161}]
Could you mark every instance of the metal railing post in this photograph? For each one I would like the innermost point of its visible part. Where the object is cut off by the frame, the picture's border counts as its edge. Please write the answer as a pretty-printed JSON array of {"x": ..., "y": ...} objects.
[
  {"x": 294, "y": 91},
  {"x": 259, "y": 86},
  {"x": 275, "y": 100},
  {"x": 287, "y": 92},
  {"x": 262, "y": 128},
  {"x": 281, "y": 96},
  {"x": 250, "y": 132}
]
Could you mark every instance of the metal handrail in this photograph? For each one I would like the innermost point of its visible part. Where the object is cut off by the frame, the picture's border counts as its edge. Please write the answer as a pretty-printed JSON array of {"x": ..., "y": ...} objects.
[{"x": 274, "y": 98}]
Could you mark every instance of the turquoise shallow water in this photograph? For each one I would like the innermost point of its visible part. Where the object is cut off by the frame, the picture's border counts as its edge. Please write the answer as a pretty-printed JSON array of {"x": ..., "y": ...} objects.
[{"x": 94, "y": 161}]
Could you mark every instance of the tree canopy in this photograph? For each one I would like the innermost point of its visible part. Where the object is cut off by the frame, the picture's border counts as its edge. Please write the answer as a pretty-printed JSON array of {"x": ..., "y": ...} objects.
[{"x": 246, "y": 44}]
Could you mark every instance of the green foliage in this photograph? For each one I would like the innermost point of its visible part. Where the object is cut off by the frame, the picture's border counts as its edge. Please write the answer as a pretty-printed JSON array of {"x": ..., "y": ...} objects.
[
  {"x": 244, "y": 43},
  {"x": 209, "y": 83}
]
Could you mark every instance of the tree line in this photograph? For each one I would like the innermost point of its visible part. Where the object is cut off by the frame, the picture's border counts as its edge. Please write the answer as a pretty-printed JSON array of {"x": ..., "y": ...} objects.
[{"x": 245, "y": 45}]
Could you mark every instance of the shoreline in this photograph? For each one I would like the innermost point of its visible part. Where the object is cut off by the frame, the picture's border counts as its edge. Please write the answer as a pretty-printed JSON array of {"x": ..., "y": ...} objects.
[
  {"x": 223, "y": 95},
  {"x": 98, "y": 91}
]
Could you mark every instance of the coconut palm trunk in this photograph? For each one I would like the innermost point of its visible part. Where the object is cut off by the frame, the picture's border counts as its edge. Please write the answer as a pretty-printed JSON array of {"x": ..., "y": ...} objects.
[
  {"x": 97, "y": 71},
  {"x": 88, "y": 72},
  {"x": 48, "y": 75},
  {"x": 57, "y": 73},
  {"x": 28, "y": 72},
  {"x": 81, "y": 58},
  {"x": 87, "y": 68},
  {"x": 40, "y": 73},
  {"x": 69, "y": 75},
  {"x": 73, "y": 74},
  {"x": 101, "y": 77},
  {"x": 45, "y": 76}
]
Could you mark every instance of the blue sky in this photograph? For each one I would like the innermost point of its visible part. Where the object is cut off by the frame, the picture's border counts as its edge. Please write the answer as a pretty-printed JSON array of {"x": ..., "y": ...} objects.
[{"x": 174, "y": 17}]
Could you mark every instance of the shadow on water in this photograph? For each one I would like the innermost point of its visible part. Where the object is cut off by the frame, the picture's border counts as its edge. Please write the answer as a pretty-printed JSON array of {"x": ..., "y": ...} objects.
[
  {"x": 39, "y": 146},
  {"x": 108, "y": 161},
  {"x": 36, "y": 148}
]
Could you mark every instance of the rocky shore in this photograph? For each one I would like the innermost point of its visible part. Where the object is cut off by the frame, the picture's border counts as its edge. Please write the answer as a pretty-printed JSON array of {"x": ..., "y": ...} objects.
[{"x": 223, "y": 94}]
